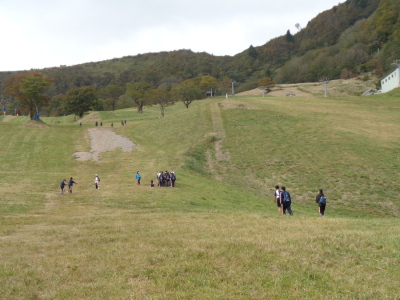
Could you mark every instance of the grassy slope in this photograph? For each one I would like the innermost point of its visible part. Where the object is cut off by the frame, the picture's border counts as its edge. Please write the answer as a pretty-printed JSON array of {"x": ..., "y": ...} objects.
[{"x": 217, "y": 235}]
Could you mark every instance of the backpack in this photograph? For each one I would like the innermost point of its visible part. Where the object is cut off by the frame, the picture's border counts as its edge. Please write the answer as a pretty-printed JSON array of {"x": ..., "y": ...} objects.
[
  {"x": 173, "y": 176},
  {"x": 322, "y": 199},
  {"x": 285, "y": 196}
]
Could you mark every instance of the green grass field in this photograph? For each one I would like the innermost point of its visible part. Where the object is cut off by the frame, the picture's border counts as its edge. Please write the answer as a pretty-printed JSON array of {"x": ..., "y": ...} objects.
[{"x": 217, "y": 234}]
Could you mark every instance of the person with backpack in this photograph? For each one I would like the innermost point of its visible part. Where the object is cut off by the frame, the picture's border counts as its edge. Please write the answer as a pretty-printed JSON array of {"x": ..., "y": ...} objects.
[
  {"x": 62, "y": 186},
  {"x": 277, "y": 199},
  {"x": 173, "y": 178},
  {"x": 167, "y": 179},
  {"x": 321, "y": 200},
  {"x": 70, "y": 184},
  {"x": 286, "y": 201}
]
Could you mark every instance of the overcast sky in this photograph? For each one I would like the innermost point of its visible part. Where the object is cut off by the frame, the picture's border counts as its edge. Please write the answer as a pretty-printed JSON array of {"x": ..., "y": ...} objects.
[{"x": 50, "y": 33}]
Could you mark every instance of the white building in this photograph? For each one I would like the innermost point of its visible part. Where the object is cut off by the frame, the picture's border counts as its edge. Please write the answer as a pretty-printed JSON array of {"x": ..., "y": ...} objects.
[{"x": 391, "y": 81}]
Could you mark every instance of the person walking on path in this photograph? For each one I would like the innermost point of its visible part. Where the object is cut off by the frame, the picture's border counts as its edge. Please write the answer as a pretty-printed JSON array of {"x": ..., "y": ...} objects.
[
  {"x": 97, "y": 182},
  {"x": 173, "y": 179},
  {"x": 277, "y": 199},
  {"x": 70, "y": 184},
  {"x": 62, "y": 186},
  {"x": 286, "y": 201},
  {"x": 138, "y": 177},
  {"x": 321, "y": 200}
]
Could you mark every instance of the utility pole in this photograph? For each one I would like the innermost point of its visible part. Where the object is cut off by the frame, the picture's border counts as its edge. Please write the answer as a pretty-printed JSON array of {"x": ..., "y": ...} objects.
[
  {"x": 325, "y": 82},
  {"x": 233, "y": 91}
]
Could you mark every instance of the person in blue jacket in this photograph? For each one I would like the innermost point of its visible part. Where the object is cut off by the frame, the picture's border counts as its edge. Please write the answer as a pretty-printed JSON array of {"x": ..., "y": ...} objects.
[{"x": 138, "y": 177}]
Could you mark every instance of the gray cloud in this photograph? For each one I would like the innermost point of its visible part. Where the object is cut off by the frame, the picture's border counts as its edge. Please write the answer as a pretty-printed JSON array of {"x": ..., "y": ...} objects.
[{"x": 46, "y": 33}]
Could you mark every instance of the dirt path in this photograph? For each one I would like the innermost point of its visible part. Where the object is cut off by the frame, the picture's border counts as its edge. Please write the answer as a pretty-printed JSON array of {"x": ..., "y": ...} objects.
[
  {"x": 8, "y": 118},
  {"x": 103, "y": 140},
  {"x": 281, "y": 91},
  {"x": 219, "y": 133}
]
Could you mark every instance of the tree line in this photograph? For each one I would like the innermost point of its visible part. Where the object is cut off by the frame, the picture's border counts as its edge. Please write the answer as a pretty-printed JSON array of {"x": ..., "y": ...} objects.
[{"x": 26, "y": 94}]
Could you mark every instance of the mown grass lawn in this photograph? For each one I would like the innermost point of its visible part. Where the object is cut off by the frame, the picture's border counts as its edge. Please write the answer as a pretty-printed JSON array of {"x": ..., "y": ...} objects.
[{"x": 217, "y": 235}]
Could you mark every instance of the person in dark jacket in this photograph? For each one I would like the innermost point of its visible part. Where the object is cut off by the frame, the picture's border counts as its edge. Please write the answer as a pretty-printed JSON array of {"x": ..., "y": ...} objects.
[
  {"x": 62, "y": 186},
  {"x": 71, "y": 184},
  {"x": 286, "y": 201},
  {"x": 173, "y": 179},
  {"x": 321, "y": 204}
]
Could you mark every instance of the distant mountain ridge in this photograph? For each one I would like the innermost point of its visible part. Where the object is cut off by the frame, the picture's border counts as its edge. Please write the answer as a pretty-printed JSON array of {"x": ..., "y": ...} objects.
[{"x": 353, "y": 37}]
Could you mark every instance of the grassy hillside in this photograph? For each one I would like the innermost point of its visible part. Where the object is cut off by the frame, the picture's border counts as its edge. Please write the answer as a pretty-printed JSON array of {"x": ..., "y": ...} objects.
[{"x": 217, "y": 234}]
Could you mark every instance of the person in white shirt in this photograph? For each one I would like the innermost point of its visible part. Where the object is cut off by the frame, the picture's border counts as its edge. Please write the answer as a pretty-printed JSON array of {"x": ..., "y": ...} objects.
[
  {"x": 96, "y": 182},
  {"x": 277, "y": 199}
]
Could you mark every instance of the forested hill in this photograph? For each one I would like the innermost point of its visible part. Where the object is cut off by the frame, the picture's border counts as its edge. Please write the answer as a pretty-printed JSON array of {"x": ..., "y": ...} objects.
[{"x": 353, "y": 37}]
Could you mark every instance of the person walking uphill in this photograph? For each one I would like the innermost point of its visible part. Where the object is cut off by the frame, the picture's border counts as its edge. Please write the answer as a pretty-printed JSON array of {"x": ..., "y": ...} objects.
[
  {"x": 97, "y": 182},
  {"x": 277, "y": 199},
  {"x": 173, "y": 179},
  {"x": 286, "y": 201},
  {"x": 321, "y": 200},
  {"x": 138, "y": 177},
  {"x": 70, "y": 184},
  {"x": 62, "y": 186}
]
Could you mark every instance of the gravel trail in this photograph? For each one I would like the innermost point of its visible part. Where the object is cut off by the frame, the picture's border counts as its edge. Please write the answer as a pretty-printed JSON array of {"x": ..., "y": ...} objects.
[{"x": 103, "y": 140}]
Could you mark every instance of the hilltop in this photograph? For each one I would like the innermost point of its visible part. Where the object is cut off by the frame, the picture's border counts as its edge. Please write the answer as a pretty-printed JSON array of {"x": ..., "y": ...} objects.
[{"x": 352, "y": 38}]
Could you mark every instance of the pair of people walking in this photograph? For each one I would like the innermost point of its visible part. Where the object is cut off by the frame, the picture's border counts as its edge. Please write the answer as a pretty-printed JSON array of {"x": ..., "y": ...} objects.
[
  {"x": 70, "y": 185},
  {"x": 283, "y": 200}
]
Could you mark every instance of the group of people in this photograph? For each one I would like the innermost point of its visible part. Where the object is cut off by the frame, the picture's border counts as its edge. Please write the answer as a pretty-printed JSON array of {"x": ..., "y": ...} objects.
[
  {"x": 71, "y": 183},
  {"x": 283, "y": 200},
  {"x": 101, "y": 123},
  {"x": 163, "y": 179},
  {"x": 166, "y": 179},
  {"x": 282, "y": 197}
]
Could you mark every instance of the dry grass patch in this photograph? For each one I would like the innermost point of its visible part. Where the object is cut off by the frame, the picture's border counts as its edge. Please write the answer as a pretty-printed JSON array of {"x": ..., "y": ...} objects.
[
  {"x": 230, "y": 104},
  {"x": 91, "y": 118},
  {"x": 35, "y": 124},
  {"x": 336, "y": 88},
  {"x": 84, "y": 252},
  {"x": 8, "y": 118}
]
